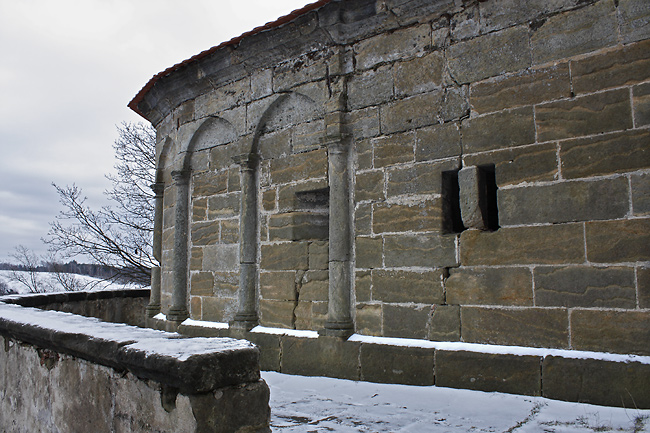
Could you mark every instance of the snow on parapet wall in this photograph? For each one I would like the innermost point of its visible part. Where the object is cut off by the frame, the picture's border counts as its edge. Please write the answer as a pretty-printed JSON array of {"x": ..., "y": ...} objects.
[{"x": 191, "y": 365}]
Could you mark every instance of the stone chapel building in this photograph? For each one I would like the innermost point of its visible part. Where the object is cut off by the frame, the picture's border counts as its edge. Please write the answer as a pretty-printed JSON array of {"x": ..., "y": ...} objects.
[{"x": 426, "y": 170}]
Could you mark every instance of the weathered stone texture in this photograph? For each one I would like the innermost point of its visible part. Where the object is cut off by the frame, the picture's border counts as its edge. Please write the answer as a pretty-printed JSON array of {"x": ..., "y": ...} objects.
[
  {"x": 537, "y": 327},
  {"x": 392, "y": 46},
  {"x": 423, "y": 178},
  {"x": 285, "y": 256},
  {"x": 499, "y": 130},
  {"x": 532, "y": 163},
  {"x": 596, "y": 381},
  {"x": 527, "y": 87},
  {"x": 612, "y": 331},
  {"x": 319, "y": 357},
  {"x": 605, "y": 154},
  {"x": 410, "y": 113},
  {"x": 406, "y": 321},
  {"x": 386, "y": 364},
  {"x": 414, "y": 217},
  {"x": 509, "y": 51},
  {"x": 554, "y": 244},
  {"x": 618, "y": 241},
  {"x": 419, "y": 75},
  {"x": 437, "y": 142},
  {"x": 564, "y": 202},
  {"x": 445, "y": 323},
  {"x": 641, "y": 102},
  {"x": 490, "y": 286},
  {"x": 585, "y": 115},
  {"x": 426, "y": 250},
  {"x": 581, "y": 286},
  {"x": 406, "y": 286},
  {"x": 369, "y": 186},
  {"x": 489, "y": 372},
  {"x": 635, "y": 17}
]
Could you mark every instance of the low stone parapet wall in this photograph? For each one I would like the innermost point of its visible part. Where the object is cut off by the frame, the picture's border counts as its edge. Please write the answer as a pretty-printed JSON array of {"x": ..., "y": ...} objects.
[
  {"x": 68, "y": 373},
  {"x": 570, "y": 375},
  {"x": 119, "y": 306}
]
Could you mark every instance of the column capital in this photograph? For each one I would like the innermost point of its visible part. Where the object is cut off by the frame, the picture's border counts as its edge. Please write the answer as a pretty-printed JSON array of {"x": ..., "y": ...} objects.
[
  {"x": 158, "y": 188},
  {"x": 338, "y": 143},
  {"x": 247, "y": 160},
  {"x": 181, "y": 176}
]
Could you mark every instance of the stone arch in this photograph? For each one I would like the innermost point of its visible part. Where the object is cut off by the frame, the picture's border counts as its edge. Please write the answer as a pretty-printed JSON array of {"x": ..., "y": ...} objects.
[{"x": 214, "y": 131}]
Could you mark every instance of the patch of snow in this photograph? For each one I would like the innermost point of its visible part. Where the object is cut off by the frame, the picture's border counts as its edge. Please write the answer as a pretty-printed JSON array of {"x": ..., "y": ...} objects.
[
  {"x": 160, "y": 316},
  {"x": 497, "y": 349},
  {"x": 183, "y": 348},
  {"x": 204, "y": 324},
  {"x": 282, "y": 331},
  {"x": 50, "y": 285},
  {"x": 320, "y": 404}
]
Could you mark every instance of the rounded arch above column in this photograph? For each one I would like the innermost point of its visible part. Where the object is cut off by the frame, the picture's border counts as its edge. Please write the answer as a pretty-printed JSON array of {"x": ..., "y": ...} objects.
[{"x": 214, "y": 131}]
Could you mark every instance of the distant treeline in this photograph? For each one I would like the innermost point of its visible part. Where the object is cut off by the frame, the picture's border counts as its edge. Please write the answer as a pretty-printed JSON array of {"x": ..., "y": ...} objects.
[{"x": 93, "y": 270}]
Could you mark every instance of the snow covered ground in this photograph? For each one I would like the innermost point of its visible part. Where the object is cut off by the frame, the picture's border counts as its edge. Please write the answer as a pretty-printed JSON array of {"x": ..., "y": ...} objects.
[
  {"x": 49, "y": 281},
  {"x": 318, "y": 404}
]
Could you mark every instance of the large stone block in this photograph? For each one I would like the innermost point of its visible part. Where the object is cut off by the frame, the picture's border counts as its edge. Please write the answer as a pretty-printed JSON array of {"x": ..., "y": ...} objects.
[
  {"x": 605, "y": 154},
  {"x": 314, "y": 286},
  {"x": 406, "y": 321},
  {"x": 412, "y": 217},
  {"x": 368, "y": 318},
  {"x": 202, "y": 284},
  {"x": 419, "y": 75},
  {"x": 229, "y": 231},
  {"x": 527, "y": 87},
  {"x": 423, "y": 178},
  {"x": 209, "y": 183},
  {"x": 295, "y": 226},
  {"x": 444, "y": 324},
  {"x": 499, "y": 130},
  {"x": 630, "y": 64},
  {"x": 643, "y": 280},
  {"x": 611, "y": 331},
  {"x": 391, "y": 364},
  {"x": 363, "y": 219},
  {"x": 277, "y": 314},
  {"x": 537, "y": 327},
  {"x": 205, "y": 233},
  {"x": 324, "y": 356},
  {"x": 489, "y": 55},
  {"x": 275, "y": 144},
  {"x": 618, "y": 241},
  {"x": 223, "y": 205},
  {"x": 199, "y": 209},
  {"x": 640, "y": 189},
  {"x": 280, "y": 286},
  {"x": 635, "y": 20},
  {"x": 490, "y": 286},
  {"x": 318, "y": 255},
  {"x": 411, "y": 113},
  {"x": 372, "y": 87},
  {"x": 407, "y": 286},
  {"x": 369, "y": 252},
  {"x": 641, "y": 103},
  {"x": 369, "y": 186},
  {"x": 364, "y": 124},
  {"x": 505, "y": 13},
  {"x": 437, "y": 142},
  {"x": 288, "y": 194},
  {"x": 594, "y": 381},
  {"x": 221, "y": 257},
  {"x": 285, "y": 256},
  {"x": 585, "y": 115},
  {"x": 393, "y": 149},
  {"x": 583, "y": 286},
  {"x": 426, "y": 250},
  {"x": 552, "y": 244},
  {"x": 307, "y": 136},
  {"x": 226, "y": 284},
  {"x": 575, "y": 32},
  {"x": 489, "y": 372},
  {"x": 308, "y": 165},
  {"x": 537, "y": 162},
  {"x": 214, "y": 309},
  {"x": 389, "y": 47},
  {"x": 564, "y": 202}
]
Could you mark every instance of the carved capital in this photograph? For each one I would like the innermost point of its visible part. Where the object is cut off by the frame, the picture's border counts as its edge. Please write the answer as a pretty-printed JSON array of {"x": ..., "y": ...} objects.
[
  {"x": 158, "y": 189},
  {"x": 247, "y": 161},
  {"x": 181, "y": 177}
]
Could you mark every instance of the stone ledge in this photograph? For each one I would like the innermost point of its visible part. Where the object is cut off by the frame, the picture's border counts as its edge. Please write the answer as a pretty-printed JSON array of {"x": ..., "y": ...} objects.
[
  {"x": 41, "y": 299},
  {"x": 190, "y": 365}
]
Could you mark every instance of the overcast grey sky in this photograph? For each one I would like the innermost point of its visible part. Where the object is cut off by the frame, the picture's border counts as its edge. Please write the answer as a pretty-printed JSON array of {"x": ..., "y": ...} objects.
[{"x": 67, "y": 70}]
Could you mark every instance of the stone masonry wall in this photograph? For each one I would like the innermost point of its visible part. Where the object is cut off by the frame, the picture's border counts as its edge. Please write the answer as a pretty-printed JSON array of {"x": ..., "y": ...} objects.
[{"x": 499, "y": 169}]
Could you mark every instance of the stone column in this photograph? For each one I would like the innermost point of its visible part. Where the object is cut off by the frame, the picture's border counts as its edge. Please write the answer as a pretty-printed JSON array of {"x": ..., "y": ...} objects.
[
  {"x": 246, "y": 317},
  {"x": 178, "y": 311},
  {"x": 339, "y": 317},
  {"x": 154, "y": 300}
]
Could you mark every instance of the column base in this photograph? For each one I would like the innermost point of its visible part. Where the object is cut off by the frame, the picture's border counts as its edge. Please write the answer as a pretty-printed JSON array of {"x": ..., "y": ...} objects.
[
  {"x": 245, "y": 321},
  {"x": 152, "y": 310},
  {"x": 338, "y": 329},
  {"x": 177, "y": 314}
]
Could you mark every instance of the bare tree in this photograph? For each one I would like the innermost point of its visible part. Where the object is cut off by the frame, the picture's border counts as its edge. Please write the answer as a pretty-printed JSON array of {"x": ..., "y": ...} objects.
[
  {"x": 28, "y": 270},
  {"x": 60, "y": 277},
  {"x": 118, "y": 235}
]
